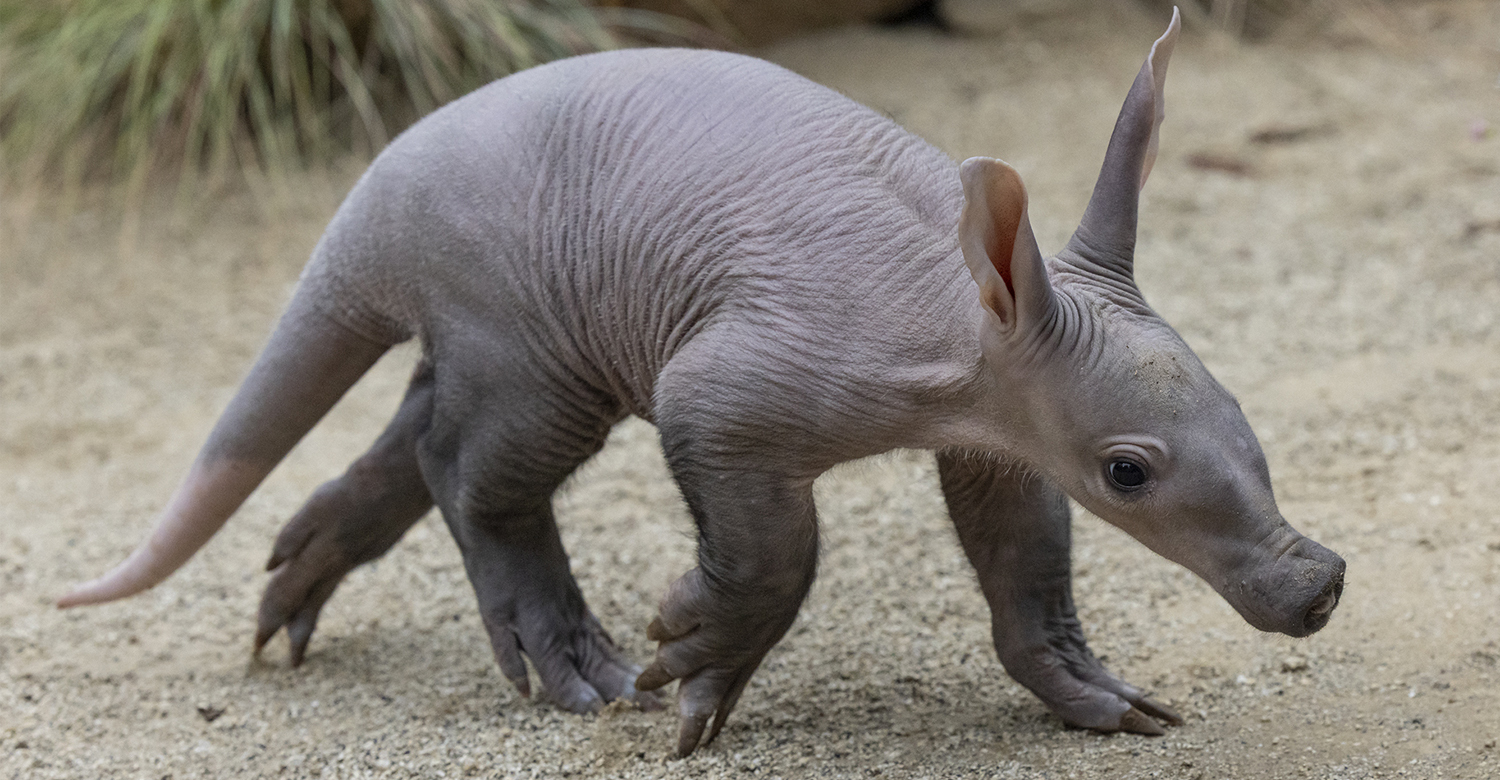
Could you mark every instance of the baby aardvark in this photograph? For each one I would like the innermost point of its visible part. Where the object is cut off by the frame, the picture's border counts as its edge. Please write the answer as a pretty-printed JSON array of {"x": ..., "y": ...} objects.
[{"x": 781, "y": 280}]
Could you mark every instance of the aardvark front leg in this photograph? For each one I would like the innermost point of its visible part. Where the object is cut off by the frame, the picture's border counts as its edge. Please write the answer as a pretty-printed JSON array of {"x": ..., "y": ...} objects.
[
  {"x": 757, "y": 551},
  {"x": 1015, "y": 529}
]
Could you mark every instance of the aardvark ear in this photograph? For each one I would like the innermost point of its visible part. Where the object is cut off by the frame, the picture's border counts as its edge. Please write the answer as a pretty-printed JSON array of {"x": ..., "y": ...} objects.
[
  {"x": 998, "y": 244},
  {"x": 1107, "y": 233}
]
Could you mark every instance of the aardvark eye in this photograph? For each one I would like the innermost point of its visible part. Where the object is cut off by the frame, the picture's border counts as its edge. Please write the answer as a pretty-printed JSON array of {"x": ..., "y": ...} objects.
[{"x": 1126, "y": 474}]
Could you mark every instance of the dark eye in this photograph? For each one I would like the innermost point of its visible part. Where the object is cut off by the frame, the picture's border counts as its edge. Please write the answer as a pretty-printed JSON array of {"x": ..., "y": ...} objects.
[{"x": 1126, "y": 475}]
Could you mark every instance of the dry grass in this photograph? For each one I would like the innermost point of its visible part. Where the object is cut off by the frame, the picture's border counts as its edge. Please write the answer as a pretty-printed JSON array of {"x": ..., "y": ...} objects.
[{"x": 118, "y": 90}]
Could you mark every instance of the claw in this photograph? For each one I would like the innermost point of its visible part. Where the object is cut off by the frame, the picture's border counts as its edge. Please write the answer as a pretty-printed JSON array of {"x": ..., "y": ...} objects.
[
  {"x": 658, "y": 631},
  {"x": 654, "y": 677},
  {"x": 262, "y": 636},
  {"x": 646, "y": 702},
  {"x": 299, "y": 633},
  {"x": 726, "y": 707},
  {"x": 508, "y": 655},
  {"x": 691, "y": 731},
  {"x": 1159, "y": 711},
  {"x": 1137, "y": 722}
]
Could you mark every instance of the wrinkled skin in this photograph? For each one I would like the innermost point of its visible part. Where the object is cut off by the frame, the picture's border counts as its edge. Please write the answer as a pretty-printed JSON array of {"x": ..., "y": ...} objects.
[
  {"x": 359, "y": 516},
  {"x": 771, "y": 274}
]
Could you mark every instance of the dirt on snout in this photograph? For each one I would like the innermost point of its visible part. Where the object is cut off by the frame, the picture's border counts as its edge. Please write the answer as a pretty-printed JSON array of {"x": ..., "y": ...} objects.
[{"x": 1323, "y": 227}]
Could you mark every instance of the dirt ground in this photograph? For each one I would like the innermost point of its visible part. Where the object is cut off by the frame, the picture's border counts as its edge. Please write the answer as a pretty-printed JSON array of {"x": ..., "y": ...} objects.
[{"x": 1323, "y": 226}]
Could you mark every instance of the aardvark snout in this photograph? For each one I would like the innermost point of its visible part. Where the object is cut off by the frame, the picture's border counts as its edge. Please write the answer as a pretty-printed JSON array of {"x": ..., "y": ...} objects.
[
  {"x": 1316, "y": 615},
  {"x": 1293, "y": 592}
]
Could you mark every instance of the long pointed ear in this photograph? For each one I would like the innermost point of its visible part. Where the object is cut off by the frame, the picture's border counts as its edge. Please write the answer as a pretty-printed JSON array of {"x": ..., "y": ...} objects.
[
  {"x": 998, "y": 244},
  {"x": 1107, "y": 233}
]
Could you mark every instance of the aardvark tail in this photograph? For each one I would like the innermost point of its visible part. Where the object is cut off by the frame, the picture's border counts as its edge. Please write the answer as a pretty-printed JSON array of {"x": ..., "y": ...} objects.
[{"x": 310, "y": 361}]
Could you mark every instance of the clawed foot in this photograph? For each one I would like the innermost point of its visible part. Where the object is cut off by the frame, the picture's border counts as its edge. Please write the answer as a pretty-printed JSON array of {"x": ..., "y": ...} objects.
[
  {"x": 1138, "y": 713},
  {"x": 347, "y": 521},
  {"x": 301, "y": 584},
  {"x": 713, "y": 655},
  {"x": 1075, "y": 685},
  {"x": 580, "y": 667},
  {"x": 1139, "y": 719},
  {"x": 344, "y": 523}
]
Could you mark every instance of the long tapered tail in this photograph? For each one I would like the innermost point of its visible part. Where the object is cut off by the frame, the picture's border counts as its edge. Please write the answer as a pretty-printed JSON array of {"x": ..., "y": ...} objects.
[{"x": 309, "y": 363}]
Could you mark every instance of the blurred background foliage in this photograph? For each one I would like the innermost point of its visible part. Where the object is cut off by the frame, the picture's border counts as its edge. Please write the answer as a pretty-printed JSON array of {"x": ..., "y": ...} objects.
[
  {"x": 122, "y": 89},
  {"x": 131, "y": 90}
]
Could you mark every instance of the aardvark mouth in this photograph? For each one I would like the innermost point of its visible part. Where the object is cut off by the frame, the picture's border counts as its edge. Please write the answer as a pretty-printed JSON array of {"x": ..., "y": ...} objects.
[
  {"x": 1295, "y": 593},
  {"x": 1322, "y": 607}
]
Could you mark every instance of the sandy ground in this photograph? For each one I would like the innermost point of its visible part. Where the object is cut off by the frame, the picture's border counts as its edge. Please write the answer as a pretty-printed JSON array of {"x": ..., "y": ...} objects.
[{"x": 1344, "y": 284}]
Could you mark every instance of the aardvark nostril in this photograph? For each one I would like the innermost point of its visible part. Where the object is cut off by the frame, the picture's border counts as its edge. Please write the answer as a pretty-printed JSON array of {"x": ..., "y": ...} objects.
[{"x": 1318, "y": 612}]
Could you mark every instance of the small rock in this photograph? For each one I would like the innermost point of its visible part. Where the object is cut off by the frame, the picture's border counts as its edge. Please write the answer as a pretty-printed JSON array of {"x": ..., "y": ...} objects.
[{"x": 1294, "y": 663}]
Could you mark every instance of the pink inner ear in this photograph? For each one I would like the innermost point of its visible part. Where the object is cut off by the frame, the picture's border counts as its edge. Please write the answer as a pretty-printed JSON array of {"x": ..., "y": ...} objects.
[
  {"x": 1009, "y": 285},
  {"x": 1006, "y": 200},
  {"x": 991, "y": 225},
  {"x": 1000, "y": 252}
]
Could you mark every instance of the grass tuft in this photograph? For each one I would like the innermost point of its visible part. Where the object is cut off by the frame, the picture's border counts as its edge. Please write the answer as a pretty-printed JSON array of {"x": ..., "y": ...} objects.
[{"x": 119, "y": 90}]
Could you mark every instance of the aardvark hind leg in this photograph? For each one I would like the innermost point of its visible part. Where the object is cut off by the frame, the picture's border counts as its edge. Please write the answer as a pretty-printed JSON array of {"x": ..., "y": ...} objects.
[
  {"x": 346, "y": 522},
  {"x": 493, "y": 460}
]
